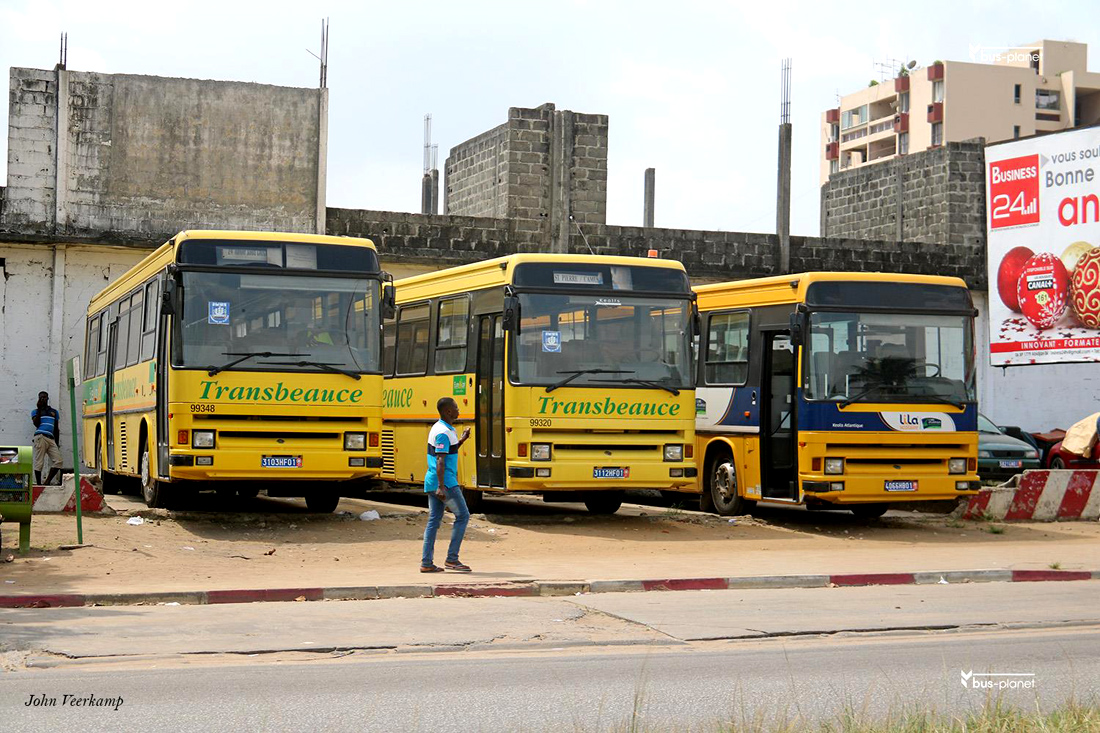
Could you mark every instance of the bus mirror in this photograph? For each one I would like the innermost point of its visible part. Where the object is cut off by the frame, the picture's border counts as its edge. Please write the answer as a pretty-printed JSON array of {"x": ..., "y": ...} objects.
[
  {"x": 511, "y": 313},
  {"x": 168, "y": 297},
  {"x": 696, "y": 323},
  {"x": 796, "y": 329},
  {"x": 389, "y": 301}
]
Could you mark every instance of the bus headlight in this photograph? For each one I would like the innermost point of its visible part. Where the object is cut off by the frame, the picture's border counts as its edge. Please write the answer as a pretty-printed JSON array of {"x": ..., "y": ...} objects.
[
  {"x": 355, "y": 441},
  {"x": 674, "y": 452},
  {"x": 540, "y": 451},
  {"x": 956, "y": 465},
  {"x": 834, "y": 465},
  {"x": 202, "y": 439}
]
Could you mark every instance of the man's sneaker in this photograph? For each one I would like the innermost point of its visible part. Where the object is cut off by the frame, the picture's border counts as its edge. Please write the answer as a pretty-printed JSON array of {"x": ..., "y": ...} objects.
[{"x": 457, "y": 566}]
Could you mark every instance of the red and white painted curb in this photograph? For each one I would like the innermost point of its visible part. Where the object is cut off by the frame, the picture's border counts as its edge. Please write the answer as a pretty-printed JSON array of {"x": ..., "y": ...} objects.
[
  {"x": 1043, "y": 496},
  {"x": 542, "y": 588},
  {"x": 61, "y": 498}
]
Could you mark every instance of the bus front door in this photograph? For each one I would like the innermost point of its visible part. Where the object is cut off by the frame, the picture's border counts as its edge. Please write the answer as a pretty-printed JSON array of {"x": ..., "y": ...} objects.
[
  {"x": 777, "y": 432},
  {"x": 489, "y": 409},
  {"x": 109, "y": 394}
]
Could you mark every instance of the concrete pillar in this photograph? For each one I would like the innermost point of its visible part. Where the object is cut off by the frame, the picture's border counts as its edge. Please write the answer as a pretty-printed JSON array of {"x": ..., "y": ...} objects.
[
  {"x": 322, "y": 158},
  {"x": 61, "y": 153},
  {"x": 783, "y": 199},
  {"x": 55, "y": 376},
  {"x": 899, "y": 204},
  {"x": 561, "y": 181},
  {"x": 435, "y": 191},
  {"x": 650, "y": 183},
  {"x": 426, "y": 194}
]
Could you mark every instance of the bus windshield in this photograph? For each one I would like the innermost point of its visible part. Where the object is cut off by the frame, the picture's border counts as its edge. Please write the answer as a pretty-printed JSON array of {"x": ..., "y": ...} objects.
[
  {"x": 889, "y": 357},
  {"x": 588, "y": 335},
  {"x": 326, "y": 321}
]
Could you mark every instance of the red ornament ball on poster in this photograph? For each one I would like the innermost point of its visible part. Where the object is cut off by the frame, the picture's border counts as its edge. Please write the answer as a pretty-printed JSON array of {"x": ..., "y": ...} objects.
[
  {"x": 1086, "y": 288},
  {"x": 1043, "y": 290},
  {"x": 1008, "y": 274}
]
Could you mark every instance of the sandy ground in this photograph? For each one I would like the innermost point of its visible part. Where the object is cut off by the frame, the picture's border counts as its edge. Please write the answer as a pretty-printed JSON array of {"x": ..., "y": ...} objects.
[{"x": 272, "y": 543}]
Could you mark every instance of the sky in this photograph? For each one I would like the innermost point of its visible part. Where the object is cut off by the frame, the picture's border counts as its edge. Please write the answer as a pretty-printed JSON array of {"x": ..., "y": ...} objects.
[{"x": 691, "y": 88}]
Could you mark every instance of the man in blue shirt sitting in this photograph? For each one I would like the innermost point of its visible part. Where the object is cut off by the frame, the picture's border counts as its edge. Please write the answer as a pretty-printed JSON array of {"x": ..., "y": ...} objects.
[
  {"x": 47, "y": 438},
  {"x": 442, "y": 487}
]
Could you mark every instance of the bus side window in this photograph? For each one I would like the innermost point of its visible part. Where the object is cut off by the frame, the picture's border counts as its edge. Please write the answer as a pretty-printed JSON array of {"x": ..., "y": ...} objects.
[
  {"x": 412, "y": 340},
  {"x": 91, "y": 346},
  {"x": 123, "y": 331},
  {"x": 149, "y": 323},
  {"x": 133, "y": 345},
  {"x": 389, "y": 347},
  {"x": 727, "y": 356},
  {"x": 101, "y": 348},
  {"x": 450, "y": 342}
]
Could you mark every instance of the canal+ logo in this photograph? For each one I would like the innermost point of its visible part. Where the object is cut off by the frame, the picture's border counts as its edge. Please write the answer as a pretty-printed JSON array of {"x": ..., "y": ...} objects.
[{"x": 1014, "y": 192}]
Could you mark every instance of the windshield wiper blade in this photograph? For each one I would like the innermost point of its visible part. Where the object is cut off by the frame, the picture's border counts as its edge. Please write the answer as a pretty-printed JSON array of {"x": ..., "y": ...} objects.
[
  {"x": 574, "y": 373},
  {"x": 938, "y": 398},
  {"x": 870, "y": 390},
  {"x": 324, "y": 365},
  {"x": 243, "y": 355},
  {"x": 645, "y": 382}
]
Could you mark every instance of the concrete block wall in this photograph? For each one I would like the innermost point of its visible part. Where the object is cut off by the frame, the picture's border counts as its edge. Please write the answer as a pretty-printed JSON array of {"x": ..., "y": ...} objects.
[
  {"x": 588, "y": 179},
  {"x": 29, "y": 201},
  {"x": 936, "y": 195},
  {"x": 476, "y": 176}
]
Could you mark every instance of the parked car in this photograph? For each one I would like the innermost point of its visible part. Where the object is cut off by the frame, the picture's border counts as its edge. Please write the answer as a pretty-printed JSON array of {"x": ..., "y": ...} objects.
[
  {"x": 1000, "y": 456},
  {"x": 1059, "y": 458},
  {"x": 1083, "y": 449}
]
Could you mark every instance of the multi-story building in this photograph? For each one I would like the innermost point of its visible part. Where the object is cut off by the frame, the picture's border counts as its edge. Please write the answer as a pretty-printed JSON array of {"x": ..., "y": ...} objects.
[{"x": 1004, "y": 94}]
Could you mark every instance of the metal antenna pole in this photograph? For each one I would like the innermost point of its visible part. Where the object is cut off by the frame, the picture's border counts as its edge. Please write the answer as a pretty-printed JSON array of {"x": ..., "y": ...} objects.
[{"x": 581, "y": 231}]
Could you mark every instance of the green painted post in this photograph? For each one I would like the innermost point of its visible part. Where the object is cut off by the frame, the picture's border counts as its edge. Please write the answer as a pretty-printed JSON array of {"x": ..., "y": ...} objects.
[{"x": 74, "y": 382}]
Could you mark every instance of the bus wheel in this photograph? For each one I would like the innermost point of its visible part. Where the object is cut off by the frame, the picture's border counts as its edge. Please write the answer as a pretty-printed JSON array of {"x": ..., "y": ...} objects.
[
  {"x": 322, "y": 502},
  {"x": 869, "y": 511},
  {"x": 154, "y": 492},
  {"x": 474, "y": 499},
  {"x": 722, "y": 487},
  {"x": 604, "y": 502}
]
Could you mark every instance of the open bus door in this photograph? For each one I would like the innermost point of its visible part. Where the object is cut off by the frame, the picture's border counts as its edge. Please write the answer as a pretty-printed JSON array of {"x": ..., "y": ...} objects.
[
  {"x": 109, "y": 394},
  {"x": 778, "y": 431},
  {"x": 489, "y": 408}
]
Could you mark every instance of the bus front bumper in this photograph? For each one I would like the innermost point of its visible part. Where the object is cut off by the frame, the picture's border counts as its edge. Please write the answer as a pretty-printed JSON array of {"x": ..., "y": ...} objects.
[
  {"x": 847, "y": 489},
  {"x": 255, "y": 465},
  {"x": 587, "y": 476}
]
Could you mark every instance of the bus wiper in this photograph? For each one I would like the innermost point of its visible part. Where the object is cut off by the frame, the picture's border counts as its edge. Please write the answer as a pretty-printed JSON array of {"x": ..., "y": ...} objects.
[
  {"x": 243, "y": 355},
  {"x": 323, "y": 365},
  {"x": 870, "y": 390},
  {"x": 644, "y": 382},
  {"x": 574, "y": 373},
  {"x": 938, "y": 398}
]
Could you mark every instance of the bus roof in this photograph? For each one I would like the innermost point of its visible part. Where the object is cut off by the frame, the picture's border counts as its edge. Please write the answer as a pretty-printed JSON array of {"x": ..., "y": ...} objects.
[
  {"x": 792, "y": 288},
  {"x": 164, "y": 255},
  {"x": 499, "y": 270}
]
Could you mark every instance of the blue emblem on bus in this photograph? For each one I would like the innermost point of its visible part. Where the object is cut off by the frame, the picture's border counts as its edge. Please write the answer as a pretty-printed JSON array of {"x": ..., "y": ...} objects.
[
  {"x": 217, "y": 312},
  {"x": 551, "y": 341}
]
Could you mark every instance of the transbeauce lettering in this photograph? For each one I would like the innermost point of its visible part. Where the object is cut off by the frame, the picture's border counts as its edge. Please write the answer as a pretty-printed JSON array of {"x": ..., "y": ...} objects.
[
  {"x": 548, "y": 405},
  {"x": 212, "y": 390}
]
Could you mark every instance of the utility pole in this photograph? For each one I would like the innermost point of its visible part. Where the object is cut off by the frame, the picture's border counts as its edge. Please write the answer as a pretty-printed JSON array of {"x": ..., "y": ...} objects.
[
  {"x": 650, "y": 182},
  {"x": 783, "y": 185},
  {"x": 429, "y": 183}
]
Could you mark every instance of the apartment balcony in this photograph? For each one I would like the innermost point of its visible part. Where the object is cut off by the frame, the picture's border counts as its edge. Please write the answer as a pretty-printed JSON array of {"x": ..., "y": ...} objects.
[
  {"x": 935, "y": 72},
  {"x": 935, "y": 112},
  {"x": 901, "y": 84},
  {"x": 832, "y": 151},
  {"x": 832, "y": 116},
  {"x": 901, "y": 122}
]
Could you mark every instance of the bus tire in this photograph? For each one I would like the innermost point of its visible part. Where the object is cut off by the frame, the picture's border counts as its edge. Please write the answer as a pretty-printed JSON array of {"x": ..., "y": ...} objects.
[
  {"x": 322, "y": 502},
  {"x": 869, "y": 511},
  {"x": 156, "y": 493},
  {"x": 475, "y": 498},
  {"x": 721, "y": 489},
  {"x": 604, "y": 502}
]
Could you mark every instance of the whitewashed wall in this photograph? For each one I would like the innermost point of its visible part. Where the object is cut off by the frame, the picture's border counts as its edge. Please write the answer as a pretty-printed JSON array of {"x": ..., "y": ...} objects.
[
  {"x": 44, "y": 294},
  {"x": 1040, "y": 397}
]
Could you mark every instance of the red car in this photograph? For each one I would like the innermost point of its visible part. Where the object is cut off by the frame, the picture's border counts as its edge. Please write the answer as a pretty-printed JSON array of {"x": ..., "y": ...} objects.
[{"x": 1057, "y": 458}]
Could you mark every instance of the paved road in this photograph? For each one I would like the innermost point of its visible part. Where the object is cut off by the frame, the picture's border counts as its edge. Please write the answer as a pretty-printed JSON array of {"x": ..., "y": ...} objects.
[{"x": 586, "y": 690}]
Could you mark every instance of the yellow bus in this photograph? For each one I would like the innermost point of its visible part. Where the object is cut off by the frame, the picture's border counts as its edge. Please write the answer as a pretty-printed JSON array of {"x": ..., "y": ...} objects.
[
  {"x": 837, "y": 391},
  {"x": 228, "y": 357},
  {"x": 574, "y": 372}
]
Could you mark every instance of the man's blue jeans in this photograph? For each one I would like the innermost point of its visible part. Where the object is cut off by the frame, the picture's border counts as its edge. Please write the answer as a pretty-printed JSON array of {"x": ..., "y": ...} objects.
[{"x": 457, "y": 504}]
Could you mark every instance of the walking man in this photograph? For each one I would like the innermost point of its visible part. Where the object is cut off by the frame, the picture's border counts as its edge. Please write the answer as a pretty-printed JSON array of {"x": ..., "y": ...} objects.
[
  {"x": 442, "y": 487},
  {"x": 47, "y": 438}
]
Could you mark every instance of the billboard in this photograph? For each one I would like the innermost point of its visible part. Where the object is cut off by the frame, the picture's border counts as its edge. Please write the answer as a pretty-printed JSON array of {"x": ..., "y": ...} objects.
[{"x": 1043, "y": 219}]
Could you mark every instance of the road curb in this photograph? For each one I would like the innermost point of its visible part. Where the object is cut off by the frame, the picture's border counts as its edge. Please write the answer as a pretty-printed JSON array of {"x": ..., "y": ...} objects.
[{"x": 530, "y": 589}]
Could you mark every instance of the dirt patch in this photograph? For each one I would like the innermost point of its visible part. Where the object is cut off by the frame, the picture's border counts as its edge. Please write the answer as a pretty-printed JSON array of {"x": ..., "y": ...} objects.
[{"x": 280, "y": 545}]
